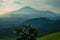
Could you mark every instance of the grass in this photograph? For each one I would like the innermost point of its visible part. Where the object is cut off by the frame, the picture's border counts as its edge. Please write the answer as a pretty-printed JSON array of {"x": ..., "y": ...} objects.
[{"x": 53, "y": 36}]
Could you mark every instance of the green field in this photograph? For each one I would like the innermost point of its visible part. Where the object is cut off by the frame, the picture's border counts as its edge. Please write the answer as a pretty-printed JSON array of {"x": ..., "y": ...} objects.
[{"x": 53, "y": 36}]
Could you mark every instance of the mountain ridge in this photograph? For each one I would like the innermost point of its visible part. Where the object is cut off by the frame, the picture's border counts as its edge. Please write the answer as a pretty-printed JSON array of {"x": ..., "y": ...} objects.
[
  {"x": 44, "y": 25},
  {"x": 32, "y": 13}
]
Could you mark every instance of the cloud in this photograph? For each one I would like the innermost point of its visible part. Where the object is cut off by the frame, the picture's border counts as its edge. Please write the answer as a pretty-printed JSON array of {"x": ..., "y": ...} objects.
[
  {"x": 44, "y": 5},
  {"x": 8, "y": 6},
  {"x": 47, "y": 5},
  {"x": 55, "y": 3},
  {"x": 0, "y": 2}
]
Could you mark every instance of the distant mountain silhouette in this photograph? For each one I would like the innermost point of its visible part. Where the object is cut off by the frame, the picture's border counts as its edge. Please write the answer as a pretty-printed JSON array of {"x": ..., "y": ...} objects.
[{"x": 28, "y": 12}]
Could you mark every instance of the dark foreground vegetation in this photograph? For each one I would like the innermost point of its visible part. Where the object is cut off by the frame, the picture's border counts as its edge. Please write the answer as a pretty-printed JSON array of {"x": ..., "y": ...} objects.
[{"x": 26, "y": 33}]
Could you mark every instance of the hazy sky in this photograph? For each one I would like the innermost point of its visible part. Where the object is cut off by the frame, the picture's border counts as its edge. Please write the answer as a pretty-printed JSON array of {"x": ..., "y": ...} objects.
[{"x": 11, "y": 5}]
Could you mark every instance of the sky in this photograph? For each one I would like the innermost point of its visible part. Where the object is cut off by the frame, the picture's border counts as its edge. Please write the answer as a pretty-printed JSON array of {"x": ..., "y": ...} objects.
[{"x": 42, "y": 5}]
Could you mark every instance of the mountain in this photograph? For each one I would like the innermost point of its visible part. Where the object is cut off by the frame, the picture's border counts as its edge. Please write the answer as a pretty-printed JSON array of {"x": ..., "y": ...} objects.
[
  {"x": 19, "y": 16},
  {"x": 44, "y": 25},
  {"x": 29, "y": 12},
  {"x": 38, "y": 21}
]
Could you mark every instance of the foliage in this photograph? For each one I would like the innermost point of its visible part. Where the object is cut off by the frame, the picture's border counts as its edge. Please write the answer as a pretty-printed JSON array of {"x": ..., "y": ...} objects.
[{"x": 26, "y": 33}]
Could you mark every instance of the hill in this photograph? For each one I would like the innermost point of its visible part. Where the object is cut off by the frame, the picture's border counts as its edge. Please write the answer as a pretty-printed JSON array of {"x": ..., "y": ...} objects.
[
  {"x": 53, "y": 36},
  {"x": 44, "y": 25}
]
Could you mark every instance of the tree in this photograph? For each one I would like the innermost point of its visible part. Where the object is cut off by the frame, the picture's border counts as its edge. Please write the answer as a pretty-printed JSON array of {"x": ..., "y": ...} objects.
[
  {"x": 32, "y": 32},
  {"x": 26, "y": 33}
]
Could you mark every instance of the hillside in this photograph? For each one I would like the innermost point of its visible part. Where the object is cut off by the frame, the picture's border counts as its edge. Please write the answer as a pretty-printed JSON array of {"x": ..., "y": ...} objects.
[
  {"x": 53, "y": 36},
  {"x": 44, "y": 25}
]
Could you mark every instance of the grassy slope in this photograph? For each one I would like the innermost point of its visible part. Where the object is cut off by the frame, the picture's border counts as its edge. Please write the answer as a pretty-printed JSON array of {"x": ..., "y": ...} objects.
[{"x": 54, "y": 36}]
